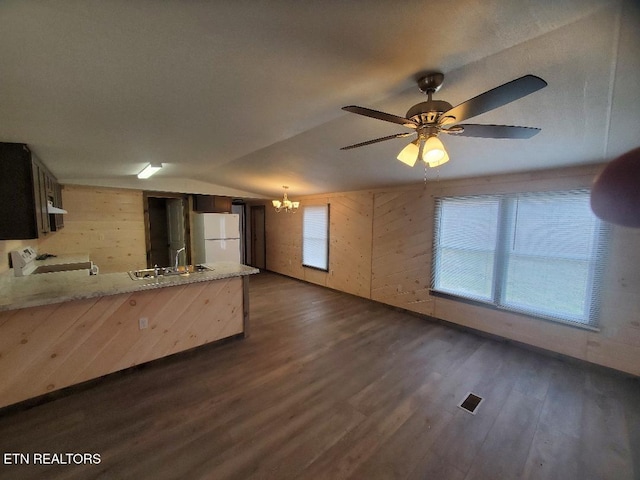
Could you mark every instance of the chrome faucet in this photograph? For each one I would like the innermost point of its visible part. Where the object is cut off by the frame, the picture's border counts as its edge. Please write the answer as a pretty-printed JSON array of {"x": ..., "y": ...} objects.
[{"x": 177, "y": 254}]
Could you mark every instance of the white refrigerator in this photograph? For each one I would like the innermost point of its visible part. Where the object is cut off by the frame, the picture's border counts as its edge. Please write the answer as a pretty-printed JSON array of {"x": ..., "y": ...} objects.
[{"x": 216, "y": 237}]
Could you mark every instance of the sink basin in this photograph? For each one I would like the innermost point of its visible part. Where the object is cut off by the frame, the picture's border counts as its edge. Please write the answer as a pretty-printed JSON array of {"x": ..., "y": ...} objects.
[
  {"x": 147, "y": 273},
  {"x": 142, "y": 274}
]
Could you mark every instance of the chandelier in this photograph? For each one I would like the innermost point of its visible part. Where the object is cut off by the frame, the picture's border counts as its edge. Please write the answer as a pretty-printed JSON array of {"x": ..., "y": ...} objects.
[{"x": 285, "y": 204}]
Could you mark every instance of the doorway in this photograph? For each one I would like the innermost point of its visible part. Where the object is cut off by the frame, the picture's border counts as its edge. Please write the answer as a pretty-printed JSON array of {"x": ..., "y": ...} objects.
[
  {"x": 258, "y": 244},
  {"x": 166, "y": 229},
  {"x": 238, "y": 207}
]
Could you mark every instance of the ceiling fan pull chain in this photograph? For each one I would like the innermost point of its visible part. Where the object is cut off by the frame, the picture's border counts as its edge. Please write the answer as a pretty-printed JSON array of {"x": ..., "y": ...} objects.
[{"x": 425, "y": 174}]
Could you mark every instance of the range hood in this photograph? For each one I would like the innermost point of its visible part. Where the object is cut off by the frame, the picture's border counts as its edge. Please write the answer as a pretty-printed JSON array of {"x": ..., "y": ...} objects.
[{"x": 52, "y": 209}]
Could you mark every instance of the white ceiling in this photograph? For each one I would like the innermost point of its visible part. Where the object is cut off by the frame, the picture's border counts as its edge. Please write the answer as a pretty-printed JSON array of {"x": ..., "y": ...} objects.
[{"x": 242, "y": 97}]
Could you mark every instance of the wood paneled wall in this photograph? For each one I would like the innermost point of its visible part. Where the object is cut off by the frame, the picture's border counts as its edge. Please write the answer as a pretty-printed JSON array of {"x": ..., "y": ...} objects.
[
  {"x": 51, "y": 347},
  {"x": 401, "y": 249},
  {"x": 382, "y": 250},
  {"x": 350, "y": 219},
  {"x": 106, "y": 223}
]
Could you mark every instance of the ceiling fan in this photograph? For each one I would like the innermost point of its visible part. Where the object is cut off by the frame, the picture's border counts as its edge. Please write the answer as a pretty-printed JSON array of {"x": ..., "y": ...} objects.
[{"x": 428, "y": 119}]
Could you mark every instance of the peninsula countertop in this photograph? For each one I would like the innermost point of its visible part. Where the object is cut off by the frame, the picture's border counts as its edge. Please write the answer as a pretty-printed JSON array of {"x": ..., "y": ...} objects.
[{"x": 59, "y": 287}]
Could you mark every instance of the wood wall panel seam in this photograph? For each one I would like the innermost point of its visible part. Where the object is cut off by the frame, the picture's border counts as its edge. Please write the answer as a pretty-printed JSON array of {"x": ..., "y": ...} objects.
[{"x": 400, "y": 255}]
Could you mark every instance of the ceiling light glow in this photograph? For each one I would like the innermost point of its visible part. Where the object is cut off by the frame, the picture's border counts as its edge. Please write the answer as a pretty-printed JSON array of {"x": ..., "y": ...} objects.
[{"x": 149, "y": 170}]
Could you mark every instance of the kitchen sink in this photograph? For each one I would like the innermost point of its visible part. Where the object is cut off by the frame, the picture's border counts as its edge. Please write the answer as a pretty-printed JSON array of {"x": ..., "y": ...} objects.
[
  {"x": 147, "y": 273},
  {"x": 142, "y": 274}
]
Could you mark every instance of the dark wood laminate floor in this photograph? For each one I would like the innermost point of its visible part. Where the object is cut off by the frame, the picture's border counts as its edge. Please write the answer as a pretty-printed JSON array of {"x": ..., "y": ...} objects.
[{"x": 331, "y": 386}]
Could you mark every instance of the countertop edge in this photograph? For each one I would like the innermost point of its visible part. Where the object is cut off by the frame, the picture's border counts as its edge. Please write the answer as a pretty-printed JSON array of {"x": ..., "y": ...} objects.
[{"x": 125, "y": 285}]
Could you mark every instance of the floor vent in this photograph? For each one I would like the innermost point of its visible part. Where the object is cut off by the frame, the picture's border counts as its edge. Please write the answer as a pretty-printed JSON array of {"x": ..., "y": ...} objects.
[{"x": 471, "y": 403}]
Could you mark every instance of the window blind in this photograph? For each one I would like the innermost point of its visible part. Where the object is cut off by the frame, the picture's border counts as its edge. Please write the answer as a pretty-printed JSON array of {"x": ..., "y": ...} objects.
[
  {"x": 535, "y": 253},
  {"x": 315, "y": 237}
]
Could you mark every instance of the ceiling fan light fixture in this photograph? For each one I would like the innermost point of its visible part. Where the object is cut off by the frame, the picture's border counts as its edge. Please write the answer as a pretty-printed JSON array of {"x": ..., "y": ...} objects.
[
  {"x": 434, "y": 153},
  {"x": 409, "y": 154},
  {"x": 432, "y": 117}
]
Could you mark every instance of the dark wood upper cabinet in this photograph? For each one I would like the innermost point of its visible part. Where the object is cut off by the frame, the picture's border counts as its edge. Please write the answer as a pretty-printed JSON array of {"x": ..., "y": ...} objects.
[
  {"x": 26, "y": 186},
  {"x": 56, "y": 221},
  {"x": 211, "y": 204}
]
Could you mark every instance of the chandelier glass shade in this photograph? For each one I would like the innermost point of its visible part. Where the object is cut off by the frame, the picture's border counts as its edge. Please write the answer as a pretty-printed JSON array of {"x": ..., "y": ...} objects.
[
  {"x": 409, "y": 154},
  {"x": 285, "y": 204},
  {"x": 432, "y": 152}
]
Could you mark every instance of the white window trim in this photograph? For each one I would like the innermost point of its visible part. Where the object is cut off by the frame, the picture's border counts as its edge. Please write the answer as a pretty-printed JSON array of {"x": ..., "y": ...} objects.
[
  {"x": 309, "y": 264},
  {"x": 597, "y": 258}
]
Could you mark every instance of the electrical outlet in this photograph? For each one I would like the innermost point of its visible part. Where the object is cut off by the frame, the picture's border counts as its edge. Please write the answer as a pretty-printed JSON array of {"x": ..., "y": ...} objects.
[{"x": 143, "y": 323}]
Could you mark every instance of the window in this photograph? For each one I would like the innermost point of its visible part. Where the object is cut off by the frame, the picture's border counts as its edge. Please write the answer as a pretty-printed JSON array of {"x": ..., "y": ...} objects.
[
  {"x": 534, "y": 253},
  {"x": 315, "y": 237}
]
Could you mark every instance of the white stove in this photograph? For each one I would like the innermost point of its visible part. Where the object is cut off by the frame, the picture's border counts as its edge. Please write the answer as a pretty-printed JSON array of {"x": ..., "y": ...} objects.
[{"x": 24, "y": 263}]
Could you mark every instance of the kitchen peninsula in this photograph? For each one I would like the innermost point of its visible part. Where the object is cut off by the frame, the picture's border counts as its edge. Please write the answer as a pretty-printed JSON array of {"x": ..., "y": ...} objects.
[{"x": 60, "y": 329}]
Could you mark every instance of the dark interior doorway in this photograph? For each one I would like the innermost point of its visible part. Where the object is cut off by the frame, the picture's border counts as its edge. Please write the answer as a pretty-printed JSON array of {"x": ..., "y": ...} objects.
[
  {"x": 158, "y": 253},
  {"x": 166, "y": 229},
  {"x": 258, "y": 243}
]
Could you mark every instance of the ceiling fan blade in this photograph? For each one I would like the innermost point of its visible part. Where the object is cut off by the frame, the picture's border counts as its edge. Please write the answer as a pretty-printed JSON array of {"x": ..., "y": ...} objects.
[
  {"x": 376, "y": 140},
  {"x": 496, "y": 97},
  {"x": 387, "y": 117},
  {"x": 494, "y": 131}
]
